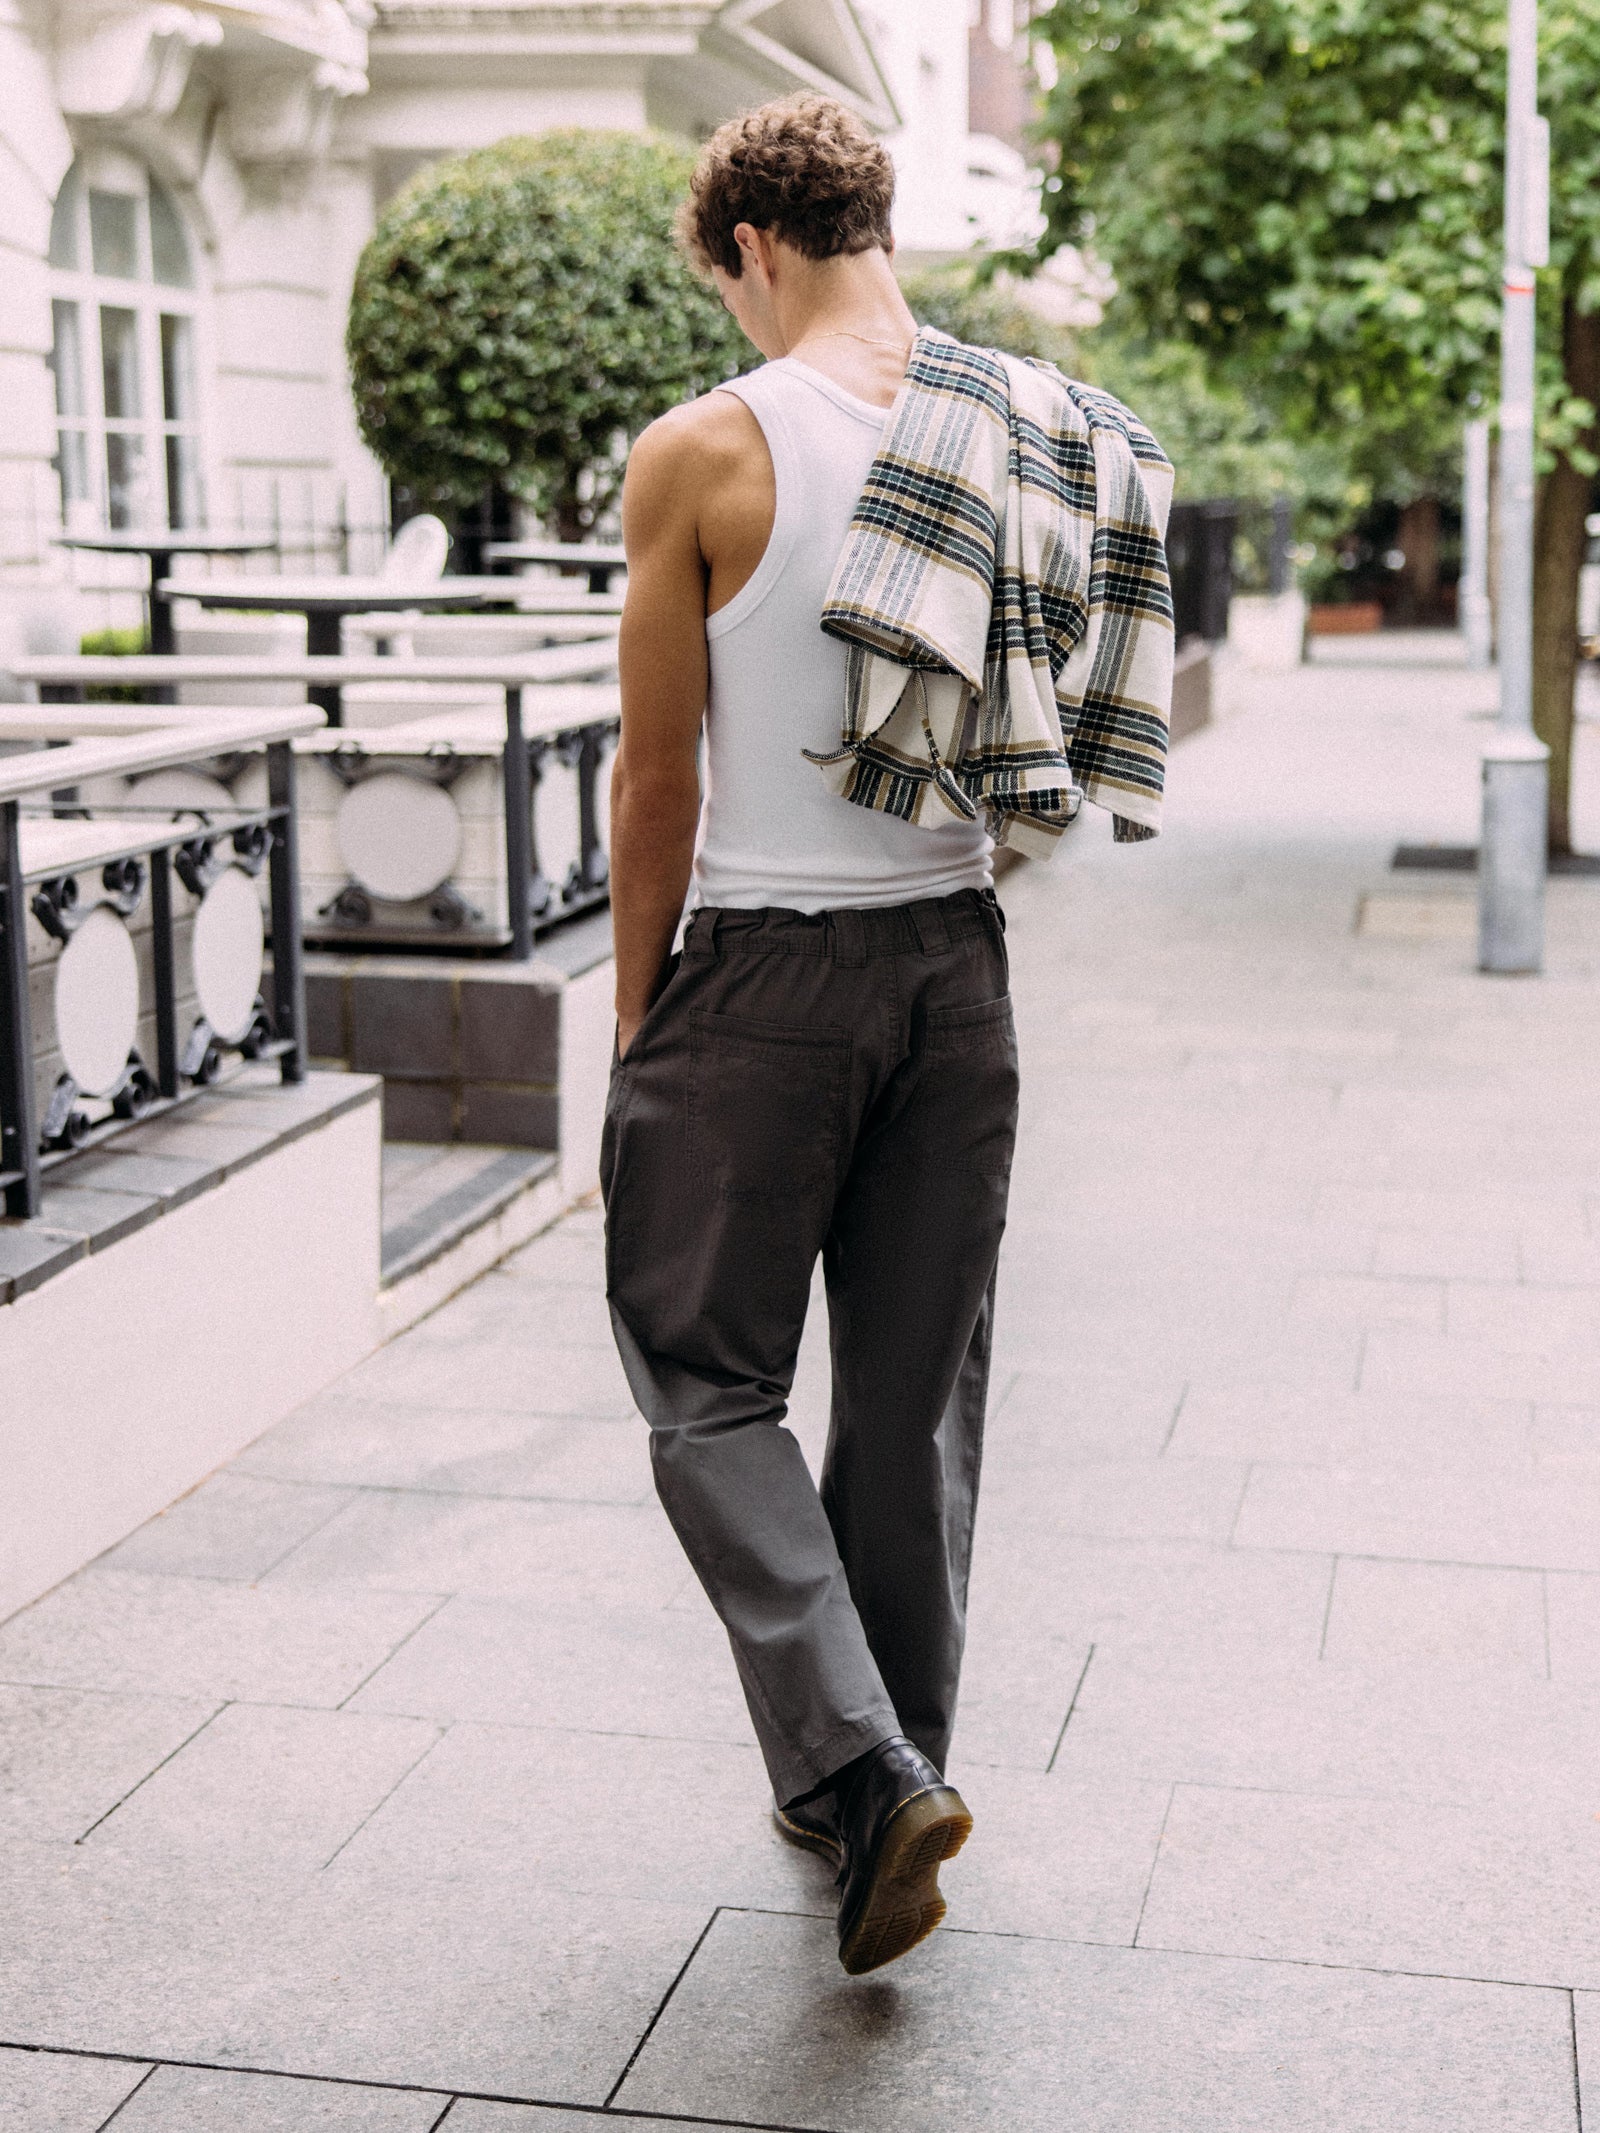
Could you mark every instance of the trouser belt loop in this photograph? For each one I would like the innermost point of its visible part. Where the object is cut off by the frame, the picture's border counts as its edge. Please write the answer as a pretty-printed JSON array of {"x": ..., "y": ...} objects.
[
  {"x": 930, "y": 926},
  {"x": 849, "y": 940},
  {"x": 700, "y": 936}
]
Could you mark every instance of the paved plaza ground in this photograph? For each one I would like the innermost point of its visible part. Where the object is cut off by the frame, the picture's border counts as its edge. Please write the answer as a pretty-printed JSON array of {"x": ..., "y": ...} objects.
[{"x": 398, "y": 1777}]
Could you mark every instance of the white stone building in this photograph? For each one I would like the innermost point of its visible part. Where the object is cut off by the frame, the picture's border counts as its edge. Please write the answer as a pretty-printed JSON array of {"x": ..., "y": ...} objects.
[{"x": 185, "y": 186}]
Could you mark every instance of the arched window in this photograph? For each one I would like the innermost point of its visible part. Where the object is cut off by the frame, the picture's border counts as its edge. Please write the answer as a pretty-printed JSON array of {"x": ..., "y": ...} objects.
[{"x": 124, "y": 309}]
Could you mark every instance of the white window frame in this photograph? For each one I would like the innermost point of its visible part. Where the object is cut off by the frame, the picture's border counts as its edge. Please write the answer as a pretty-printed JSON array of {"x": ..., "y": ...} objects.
[{"x": 90, "y": 504}]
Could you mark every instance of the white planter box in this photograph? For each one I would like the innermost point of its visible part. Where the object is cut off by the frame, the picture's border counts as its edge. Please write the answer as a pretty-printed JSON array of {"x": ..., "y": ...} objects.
[
  {"x": 154, "y": 1355},
  {"x": 1267, "y": 631}
]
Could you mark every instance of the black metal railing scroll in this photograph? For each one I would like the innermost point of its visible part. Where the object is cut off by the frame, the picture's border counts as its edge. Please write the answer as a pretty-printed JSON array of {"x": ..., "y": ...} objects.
[
  {"x": 19, "y": 1141},
  {"x": 196, "y": 849},
  {"x": 587, "y": 882}
]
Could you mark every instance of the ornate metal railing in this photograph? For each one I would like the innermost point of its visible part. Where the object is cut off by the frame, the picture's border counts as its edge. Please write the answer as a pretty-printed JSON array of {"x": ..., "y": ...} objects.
[
  {"x": 384, "y": 792},
  {"x": 587, "y": 881},
  {"x": 114, "y": 893}
]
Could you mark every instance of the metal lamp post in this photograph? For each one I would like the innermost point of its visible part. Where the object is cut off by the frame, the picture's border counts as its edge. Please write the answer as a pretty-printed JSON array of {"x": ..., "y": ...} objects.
[
  {"x": 1477, "y": 627},
  {"x": 1511, "y": 853}
]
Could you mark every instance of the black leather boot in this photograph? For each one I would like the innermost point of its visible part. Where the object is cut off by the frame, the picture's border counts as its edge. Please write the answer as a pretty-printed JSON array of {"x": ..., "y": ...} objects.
[
  {"x": 898, "y": 1822},
  {"x": 812, "y": 1825}
]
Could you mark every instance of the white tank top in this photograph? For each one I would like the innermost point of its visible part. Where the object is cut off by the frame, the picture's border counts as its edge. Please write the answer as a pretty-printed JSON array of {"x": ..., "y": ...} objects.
[{"x": 771, "y": 833}]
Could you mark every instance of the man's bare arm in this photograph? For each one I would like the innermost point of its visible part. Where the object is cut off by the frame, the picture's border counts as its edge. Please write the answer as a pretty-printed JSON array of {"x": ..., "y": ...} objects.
[{"x": 655, "y": 786}]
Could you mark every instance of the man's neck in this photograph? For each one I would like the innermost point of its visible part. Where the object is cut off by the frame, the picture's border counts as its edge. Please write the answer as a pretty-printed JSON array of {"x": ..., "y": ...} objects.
[{"x": 848, "y": 320}]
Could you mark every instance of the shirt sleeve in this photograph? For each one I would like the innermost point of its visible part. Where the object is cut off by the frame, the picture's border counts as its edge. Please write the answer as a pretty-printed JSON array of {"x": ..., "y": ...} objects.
[{"x": 1114, "y": 693}]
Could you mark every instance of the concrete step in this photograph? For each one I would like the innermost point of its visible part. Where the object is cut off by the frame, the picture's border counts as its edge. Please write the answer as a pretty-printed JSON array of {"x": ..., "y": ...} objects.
[{"x": 450, "y": 1212}]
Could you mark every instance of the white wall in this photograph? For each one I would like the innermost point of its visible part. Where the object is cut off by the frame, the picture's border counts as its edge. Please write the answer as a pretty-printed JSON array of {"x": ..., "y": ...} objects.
[
  {"x": 274, "y": 258},
  {"x": 132, "y": 1375},
  {"x": 280, "y": 259},
  {"x": 448, "y": 114},
  {"x": 922, "y": 47},
  {"x": 34, "y": 155}
]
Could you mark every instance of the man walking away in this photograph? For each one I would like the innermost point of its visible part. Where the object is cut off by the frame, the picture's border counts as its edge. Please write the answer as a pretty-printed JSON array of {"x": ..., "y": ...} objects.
[{"x": 896, "y": 580}]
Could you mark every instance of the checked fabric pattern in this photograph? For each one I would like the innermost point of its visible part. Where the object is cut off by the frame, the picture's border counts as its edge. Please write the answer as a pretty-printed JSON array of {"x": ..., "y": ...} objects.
[{"x": 1004, "y": 596}]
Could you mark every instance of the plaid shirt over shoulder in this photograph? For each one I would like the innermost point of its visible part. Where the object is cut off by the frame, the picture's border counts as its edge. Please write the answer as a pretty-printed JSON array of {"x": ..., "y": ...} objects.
[{"x": 1004, "y": 596}]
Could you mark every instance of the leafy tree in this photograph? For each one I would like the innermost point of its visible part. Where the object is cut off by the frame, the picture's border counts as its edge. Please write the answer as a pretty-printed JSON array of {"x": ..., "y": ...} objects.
[
  {"x": 1309, "y": 192},
  {"x": 1219, "y": 442},
  {"x": 522, "y": 312},
  {"x": 1222, "y": 442},
  {"x": 1222, "y": 439},
  {"x": 988, "y": 313}
]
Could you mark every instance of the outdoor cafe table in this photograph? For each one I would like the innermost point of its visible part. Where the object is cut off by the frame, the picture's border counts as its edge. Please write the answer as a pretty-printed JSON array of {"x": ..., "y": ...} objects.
[
  {"x": 499, "y": 634},
  {"x": 600, "y": 558},
  {"x": 323, "y": 674},
  {"x": 325, "y": 601},
  {"x": 161, "y": 544}
]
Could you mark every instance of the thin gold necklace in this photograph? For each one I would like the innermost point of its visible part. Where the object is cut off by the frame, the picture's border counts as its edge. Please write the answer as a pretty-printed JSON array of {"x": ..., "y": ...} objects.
[{"x": 843, "y": 333}]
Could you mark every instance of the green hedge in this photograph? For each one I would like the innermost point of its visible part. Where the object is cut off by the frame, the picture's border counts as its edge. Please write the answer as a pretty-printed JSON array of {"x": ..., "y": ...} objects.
[
  {"x": 115, "y": 644},
  {"x": 522, "y": 312}
]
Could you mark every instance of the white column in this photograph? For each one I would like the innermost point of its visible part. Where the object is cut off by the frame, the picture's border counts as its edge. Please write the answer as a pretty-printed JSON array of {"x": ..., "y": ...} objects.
[{"x": 34, "y": 154}]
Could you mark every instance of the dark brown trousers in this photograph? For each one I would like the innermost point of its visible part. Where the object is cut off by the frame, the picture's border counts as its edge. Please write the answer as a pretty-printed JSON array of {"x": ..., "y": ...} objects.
[{"x": 844, "y": 1084}]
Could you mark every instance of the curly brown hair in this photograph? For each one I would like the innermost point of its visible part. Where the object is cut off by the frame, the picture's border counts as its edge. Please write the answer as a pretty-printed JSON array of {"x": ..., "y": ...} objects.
[{"x": 805, "y": 169}]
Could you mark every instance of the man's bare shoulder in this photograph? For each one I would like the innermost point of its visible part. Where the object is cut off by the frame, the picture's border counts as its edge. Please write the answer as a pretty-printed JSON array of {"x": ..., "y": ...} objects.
[
  {"x": 700, "y": 480},
  {"x": 709, "y": 437}
]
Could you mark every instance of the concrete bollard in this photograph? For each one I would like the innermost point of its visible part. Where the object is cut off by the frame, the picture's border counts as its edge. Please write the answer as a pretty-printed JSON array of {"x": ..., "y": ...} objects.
[{"x": 1511, "y": 855}]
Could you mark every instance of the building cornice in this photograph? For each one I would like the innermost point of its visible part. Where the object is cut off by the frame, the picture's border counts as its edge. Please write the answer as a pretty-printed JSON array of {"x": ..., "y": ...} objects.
[
  {"x": 459, "y": 28},
  {"x": 732, "y": 30},
  {"x": 571, "y": 25},
  {"x": 131, "y": 63}
]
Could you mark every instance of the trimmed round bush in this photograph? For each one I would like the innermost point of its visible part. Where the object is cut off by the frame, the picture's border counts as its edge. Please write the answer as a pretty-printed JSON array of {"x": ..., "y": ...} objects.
[{"x": 522, "y": 312}]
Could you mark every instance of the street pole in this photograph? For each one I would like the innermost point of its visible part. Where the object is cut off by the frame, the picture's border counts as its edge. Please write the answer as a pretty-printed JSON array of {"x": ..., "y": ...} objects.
[
  {"x": 1511, "y": 851},
  {"x": 1474, "y": 615}
]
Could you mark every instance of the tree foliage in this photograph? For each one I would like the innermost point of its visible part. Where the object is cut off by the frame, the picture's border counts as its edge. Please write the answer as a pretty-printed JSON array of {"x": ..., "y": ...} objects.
[
  {"x": 985, "y": 313},
  {"x": 522, "y": 312},
  {"x": 1221, "y": 438},
  {"x": 1309, "y": 193},
  {"x": 1310, "y": 190},
  {"x": 1222, "y": 442}
]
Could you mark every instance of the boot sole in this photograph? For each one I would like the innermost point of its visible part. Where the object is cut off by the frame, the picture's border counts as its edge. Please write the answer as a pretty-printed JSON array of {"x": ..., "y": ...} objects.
[
  {"x": 903, "y": 1905},
  {"x": 809, "y": 1840}
]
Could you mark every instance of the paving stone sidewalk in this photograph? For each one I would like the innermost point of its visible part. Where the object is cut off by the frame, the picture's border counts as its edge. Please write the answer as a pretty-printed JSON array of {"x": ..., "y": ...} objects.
[{"x": 397, "y": 1778}]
